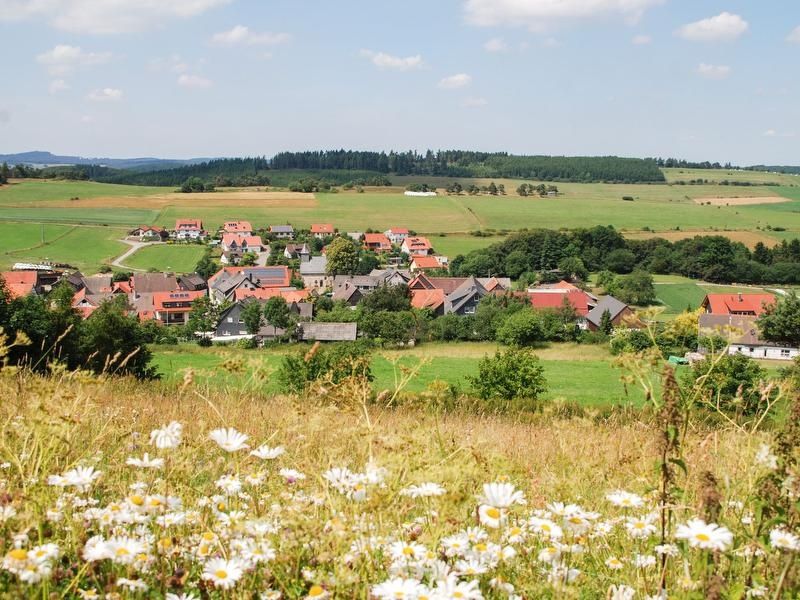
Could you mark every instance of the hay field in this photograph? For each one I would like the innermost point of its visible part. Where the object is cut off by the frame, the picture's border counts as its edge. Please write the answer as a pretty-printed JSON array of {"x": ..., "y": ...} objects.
[{"x": 740, "y": 200}]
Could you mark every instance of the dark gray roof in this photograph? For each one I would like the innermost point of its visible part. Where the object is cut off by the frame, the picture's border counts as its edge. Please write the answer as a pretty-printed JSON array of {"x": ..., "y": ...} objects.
[
  {"x": 146, "y": 283},
  {"x": 96, "y": 284},
  {"x": 606, "y": 303},
  {"x": 281, "y": 229},
  {"x": 738, "y": 329},
  {"x": 328, "y": 332},
  {"x": 318, "y": 265},
  {"x": 464, "y": 293}
]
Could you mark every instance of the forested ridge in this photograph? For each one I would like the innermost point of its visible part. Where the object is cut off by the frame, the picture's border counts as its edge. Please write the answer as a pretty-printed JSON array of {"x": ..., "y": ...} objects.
[{"x": 449, "y": 163}]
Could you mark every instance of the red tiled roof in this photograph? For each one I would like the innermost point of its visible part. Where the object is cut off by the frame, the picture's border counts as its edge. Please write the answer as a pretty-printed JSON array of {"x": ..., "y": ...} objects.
[
  {"x": 240, "y": 240},
  {"x": 322, "y": 228},
  {"x": 237, "y": 227},
  {"x": 426, "y": 262},
  {"x": 162, "y": 298},
  {"x": 285, "y": 275},
  {"x": 578, "y": 299},
  {"x": 399, "y": 230},
  {"x": 377, "y": 239},
  {"x": 19, "y": 283},
  {"x": 432, "y": 299},
  {"x": 185, "y": 224},
  {"x": 417, "y": 243},
  {"x": 731, "y": 304},
  {"x": 267, "y": 293}
]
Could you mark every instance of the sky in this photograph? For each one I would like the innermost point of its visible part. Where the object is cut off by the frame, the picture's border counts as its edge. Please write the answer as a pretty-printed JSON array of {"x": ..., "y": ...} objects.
[{"x": 695, "y": 79}]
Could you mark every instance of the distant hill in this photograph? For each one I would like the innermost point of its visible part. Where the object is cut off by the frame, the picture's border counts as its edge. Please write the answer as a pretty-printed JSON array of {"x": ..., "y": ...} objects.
[
  {"x": 39, "y": 158},
  {"x": 776, "y": 169}
]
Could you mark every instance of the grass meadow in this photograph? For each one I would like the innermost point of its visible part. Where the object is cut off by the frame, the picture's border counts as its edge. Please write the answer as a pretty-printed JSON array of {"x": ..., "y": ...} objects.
[{"x": 176, "y": 258}]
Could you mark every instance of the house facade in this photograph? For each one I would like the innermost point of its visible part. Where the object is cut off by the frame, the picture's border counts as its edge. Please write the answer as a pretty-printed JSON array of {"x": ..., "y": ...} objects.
[
  {"x": 396, "y": 235},
  {"x": 173, "y": 308},
  {"x": 322, "y": 230},
  {"x": 189, "y": 229},
  {"x": 416, "y": 246},
  {"x": 315, "y": 275},
  {"x": 282, "y": 232}
]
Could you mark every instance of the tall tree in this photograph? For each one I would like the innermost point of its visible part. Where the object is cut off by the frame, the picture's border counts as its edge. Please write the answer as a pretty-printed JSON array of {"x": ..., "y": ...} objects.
[
  {"x": 342, "y": 256},
  {"x": 780, "y": 322}
]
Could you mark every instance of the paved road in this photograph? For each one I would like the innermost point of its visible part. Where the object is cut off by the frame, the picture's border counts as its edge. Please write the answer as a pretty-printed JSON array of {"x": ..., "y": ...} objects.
[{"x": 134, "y": 247}]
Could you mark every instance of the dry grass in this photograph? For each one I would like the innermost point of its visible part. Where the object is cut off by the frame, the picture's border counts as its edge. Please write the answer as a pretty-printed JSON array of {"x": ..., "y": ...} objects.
[
  {"x": 740, "y": 200},
  {"x": 232, "y": 199},
  {"x": 748, "y": 238}
]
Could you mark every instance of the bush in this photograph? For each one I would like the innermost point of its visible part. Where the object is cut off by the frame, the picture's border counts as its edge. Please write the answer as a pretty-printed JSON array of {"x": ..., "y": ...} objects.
[
  {"x": 512, "y": 379},
  {"x": 333, "y": 363},
  {"x": 731, "y": 381}
]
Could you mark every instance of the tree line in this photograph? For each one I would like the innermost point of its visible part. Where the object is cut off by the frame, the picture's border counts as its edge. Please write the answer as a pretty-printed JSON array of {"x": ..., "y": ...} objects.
[{"x": 538, "y": 254}]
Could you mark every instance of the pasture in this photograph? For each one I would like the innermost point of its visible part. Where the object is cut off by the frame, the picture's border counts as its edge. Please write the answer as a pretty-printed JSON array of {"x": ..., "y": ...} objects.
[
  {"x": 678, "y": 294},
  {"x": 717, "y": 175},
  {"x": 577, "y": 373},
  {"x": 176, "y": 258}
]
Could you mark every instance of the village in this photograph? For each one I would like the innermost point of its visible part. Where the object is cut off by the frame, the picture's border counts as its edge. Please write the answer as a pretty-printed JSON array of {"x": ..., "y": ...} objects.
[{"x": 281, "y": 262}]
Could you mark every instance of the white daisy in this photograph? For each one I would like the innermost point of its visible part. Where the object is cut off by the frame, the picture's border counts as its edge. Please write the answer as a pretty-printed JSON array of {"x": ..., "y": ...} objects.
[
  {"x": 223, "y": 573},
  {"x": 266, "y": 453},
  {"x": 167, "y": 437},
  {"x": 423, "y": 490},
  {"x": 145, "y": 462},
  {"x": 229, "y": 439},
  {"x": 706, "y": 536}
]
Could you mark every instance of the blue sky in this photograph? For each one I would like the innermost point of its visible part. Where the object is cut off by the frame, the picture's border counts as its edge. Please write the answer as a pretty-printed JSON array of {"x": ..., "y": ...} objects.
[{"x": 701, "y": 80}]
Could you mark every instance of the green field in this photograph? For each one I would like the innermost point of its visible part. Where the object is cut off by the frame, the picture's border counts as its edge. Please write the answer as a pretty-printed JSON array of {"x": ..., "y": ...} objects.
[
  {"x": 581, "y": 374},
  {"x": 83, "y": 247},
  {"x": 35, "y": 192},
  {"x": 453, "y": 245},
  {"x": 177, "y": 258},
  {"x": 678, "y": 293},
  {"x": 730, "y": 175}
]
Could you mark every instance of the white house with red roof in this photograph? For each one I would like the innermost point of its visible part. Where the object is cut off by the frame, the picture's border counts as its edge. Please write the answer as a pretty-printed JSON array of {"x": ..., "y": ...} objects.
[
  {"x": 427, "y": 263},
  {"x": 189, "y": 229},
  {"x": 377, "y": 242},
  {"x": 243, "y": 228},
  {"x": 233, "y": 242},
  {"x": 173, "y": 308},
  {"x": 416, "y": 245},
  {"x": 751, "y": 305},
  {"x": 396, "y": 235},
  {"x": 322, "y": 230}
]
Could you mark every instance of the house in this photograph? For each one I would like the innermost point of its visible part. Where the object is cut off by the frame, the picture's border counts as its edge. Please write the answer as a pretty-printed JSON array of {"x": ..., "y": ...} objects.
[
  {"x": 149, "y": 233},
  {"x": 427, "y": 263},
  {"x": 465, "y": 298},
  {"x": 173, "y": 308},
  {"x": 352, "y": 289},
  {"x": 416, "y": 246},
  {"x": 231, "y": 325},
  {"x": 393, "y": 276},
  {"x": 618, "y": 312},
  {"x": 315, "y": 274},
  {"x": 238, "y": 227},
  {"x": 751, "y": 305},
  {"x": 148, "y": 283},
  {"x": 289, "y": 294},
  {"x": 231, "y": 257},
  {"x": 223, "y": 284},
  {"x": 283, "y": 232},
  {"x": 396, "y": 235},
  {"x": 579, "y": 300},
  {"x": 449, "y": 284},
  {"x": 377, "y": 242},
  {"x": 20, "y": 283},
  {"x": 327, "y": 332},
  {"x": 189, "y": 229},
  {"x": 242, "y": 243},
  {"x": 322, "y": 230},
  {"x": 294, "y": 251},
  {"x": 743, "y": 336},
  {"x": 85, "y": 303},
  {"x": 355, "y": 236}
]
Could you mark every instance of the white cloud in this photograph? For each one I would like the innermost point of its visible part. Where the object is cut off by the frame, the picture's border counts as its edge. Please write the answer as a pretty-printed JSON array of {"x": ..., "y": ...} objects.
[
  {"x": 105, "y": 16},
  {"x": 194, "y": 81},
  {"x": 774, "y": 133},
  {"x": 64, "y": 59},
  {"x": 496, "y": 45},
  {"x": 57, "y": 85},
  {"x": 641, "y": 40},
  {"x": 455, "y": 81},
  {"x": 241, "y": 35},
  {"x": 475, "y": 102},
  {"x": 538, "y": 15},
  {"x": 105, "y": 95},
  {"x": 387, "y": 61},
  {"x": 713, "y": 71},
  {"x": 722, "y": 28},
  {"x": 794, "y": 37}
]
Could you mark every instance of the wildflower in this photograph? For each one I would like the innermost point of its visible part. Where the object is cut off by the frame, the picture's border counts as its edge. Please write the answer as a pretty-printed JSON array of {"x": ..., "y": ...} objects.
[
  {"x": 614, "y": 563},
  {"x": 167, "y": 437},
  {"x": 183, "y": 596},
  {"x": 124, "y": 550},
  {"x": 706, "y": 536},
  {"x": 145, "y": 462},
  {"x": 784, "y": 540},
  {"x": 400, "y": 551},
  {"x": 6, "y": 513},
  {"x": 501, "y": 495},
  {"x": 80, "y": 478},
  {"x": 644, "y": 561},
  {"x": 230, "y": 484},
  {"x": 640, "y": 528},
  {"x": 490, "y": 516},
  {"x": 229, "y": 439},
  {"x": 625, "y": 499},
  {"x": 546, "y": 528},
  {"x": 223, "y": 573},
  {"x": 132, "y": 585},
  {"x": 264, "y": 452},
  {"x": 90, "y": 594},
  {"x": 397, "y": 588},
  {"x": 765, "y": 458},
  {"x": 291, "y": 475},
  {"x": 317, "y": 592},
  {"x": 621, "y": 592},
  {"x": 551, "y": 554},
  {"x": 95, "y": 549},
  {"x": 451, "y": 587},
  {"x": 423, "y": 490},
  {"x": 667, "y": 550},
  {"x": 757, "y": 591}
]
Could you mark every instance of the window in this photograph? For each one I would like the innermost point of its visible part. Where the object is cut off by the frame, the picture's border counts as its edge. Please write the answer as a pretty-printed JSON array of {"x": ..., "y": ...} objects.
[
  {"x": 230, "y": 319},
  {"x": 785, "y": 353},
  {"x": 469, "y": 310}
]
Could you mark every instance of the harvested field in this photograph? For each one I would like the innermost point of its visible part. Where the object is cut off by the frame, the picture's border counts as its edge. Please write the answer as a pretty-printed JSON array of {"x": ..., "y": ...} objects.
[
  {"x": 742, "y": 201},
  {"x": 236, "y": 199},
  {"x": 748, "y": 238}
]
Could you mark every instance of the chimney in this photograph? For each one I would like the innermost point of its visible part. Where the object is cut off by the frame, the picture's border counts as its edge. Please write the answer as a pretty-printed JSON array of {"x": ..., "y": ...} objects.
[{"x": 740, "y": 297}]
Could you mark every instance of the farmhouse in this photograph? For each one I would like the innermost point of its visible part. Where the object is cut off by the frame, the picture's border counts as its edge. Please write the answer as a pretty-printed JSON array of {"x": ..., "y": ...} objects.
[
  {"x": 619, "y": 313},
  {"x": 238, "y": 227},
  {"x": 282, "y": 232},
  {"x": 743, "y": 336},
  {"x": 315, "y": 274},
  {"x": 396, "y": 235},
  {"x": 377, "y": 242},
  {"x": 173, "y": 308},
  {"x": 416, "y": 246},
  {"x": 189, "y": 229},
  {"x": 751, "y": 305},
  {"x": 20, "y": 283},
  {"x": 322, "y": 230},
  {"x": 149, "y": 233}
]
